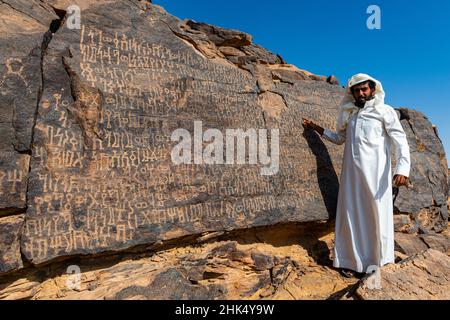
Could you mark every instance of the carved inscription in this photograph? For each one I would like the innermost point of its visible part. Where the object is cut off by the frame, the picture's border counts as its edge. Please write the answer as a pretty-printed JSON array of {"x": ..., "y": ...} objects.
[{"x": 102, "y": 173}]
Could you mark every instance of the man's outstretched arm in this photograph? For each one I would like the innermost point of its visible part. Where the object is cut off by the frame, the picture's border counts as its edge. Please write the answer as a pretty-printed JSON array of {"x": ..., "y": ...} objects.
[{"x": 335, "y": 137}]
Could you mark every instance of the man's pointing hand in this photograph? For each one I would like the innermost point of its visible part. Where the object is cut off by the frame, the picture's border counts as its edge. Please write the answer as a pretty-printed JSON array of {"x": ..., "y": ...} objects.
[{"x": 308, "y": 124}]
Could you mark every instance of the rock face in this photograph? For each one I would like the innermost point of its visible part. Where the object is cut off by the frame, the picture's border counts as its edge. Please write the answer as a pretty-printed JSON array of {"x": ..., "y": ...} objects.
[
  {"x": 24, "y": 32},
  {"x": 426, "y": 201},
  {"x": 10, "y": 229},
  {"x": 421, "y": 277},
  {"x": 448, "y": 198},
  {"x": 102, "y": 173},
  {"x": 138, "y": 129}
]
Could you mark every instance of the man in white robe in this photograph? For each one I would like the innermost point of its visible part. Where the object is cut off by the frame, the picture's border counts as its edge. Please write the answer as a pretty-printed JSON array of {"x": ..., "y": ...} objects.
[{"x": 364, "y": 231}]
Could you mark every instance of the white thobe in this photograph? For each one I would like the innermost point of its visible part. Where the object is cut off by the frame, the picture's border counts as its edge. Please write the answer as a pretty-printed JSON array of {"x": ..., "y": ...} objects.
[{"x": 364, "y": 232}]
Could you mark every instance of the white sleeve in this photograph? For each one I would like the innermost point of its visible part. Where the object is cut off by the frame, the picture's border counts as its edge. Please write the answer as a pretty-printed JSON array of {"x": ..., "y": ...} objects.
[
  {"x": 398, "y": 136},
  {"x": 335, "y": 137}
]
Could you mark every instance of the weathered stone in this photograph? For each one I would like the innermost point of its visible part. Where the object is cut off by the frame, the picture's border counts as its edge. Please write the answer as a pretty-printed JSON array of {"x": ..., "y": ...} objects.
[
  {"x": 409, "y": 244},
  {"x": 262, "y": 54},
  {"x": 437, "y": 242},
  {"x": 10, "y": 228},
  {"x": 13, "y": 181},
  {"x": 102, "y": 178},
  {"x": 171, "y": 285},
  {"x": 24, "y": 30},
  {"x": 262, "y": 261},
  {"x": 98, "y": 106},
  {"x": 271, "y": 263},
  {"x": 287, "y": 74},
  {"x": 399, "y": 256},
  {"x": 333, "y": 80},
  {"x": 220, "y": 36},
  {"x": 403, "y": 222},
  {"x": 231, "y": 51},
  {"x": 420, "y": 277}
]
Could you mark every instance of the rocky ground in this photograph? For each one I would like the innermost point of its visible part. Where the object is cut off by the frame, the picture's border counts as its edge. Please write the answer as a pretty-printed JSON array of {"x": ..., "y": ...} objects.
[{"x": 282, "y": 262}]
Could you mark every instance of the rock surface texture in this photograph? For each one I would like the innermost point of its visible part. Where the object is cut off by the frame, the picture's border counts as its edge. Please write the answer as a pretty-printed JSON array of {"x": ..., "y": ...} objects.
[
  {"x": 93, "y": 120},
  {"x": 420, "y": 277}
]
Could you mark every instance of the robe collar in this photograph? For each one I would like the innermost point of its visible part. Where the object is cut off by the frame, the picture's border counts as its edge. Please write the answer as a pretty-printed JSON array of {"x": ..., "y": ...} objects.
[{"x": 370, "y": 103}]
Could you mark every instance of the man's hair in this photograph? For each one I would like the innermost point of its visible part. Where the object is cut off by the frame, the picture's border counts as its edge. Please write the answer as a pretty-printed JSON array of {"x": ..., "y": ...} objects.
[{"x": 371, "y": 83}]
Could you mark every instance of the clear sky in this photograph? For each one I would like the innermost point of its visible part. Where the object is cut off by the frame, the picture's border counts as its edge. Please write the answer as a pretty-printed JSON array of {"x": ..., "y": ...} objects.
[{"x": 410, "y": 54}]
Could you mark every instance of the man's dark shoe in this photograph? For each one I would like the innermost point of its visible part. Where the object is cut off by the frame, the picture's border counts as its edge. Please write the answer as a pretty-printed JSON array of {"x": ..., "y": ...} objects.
[{"x": 350, "y": 273}]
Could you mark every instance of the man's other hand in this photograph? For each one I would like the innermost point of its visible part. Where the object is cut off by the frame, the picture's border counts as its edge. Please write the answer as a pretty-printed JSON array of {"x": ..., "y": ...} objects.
[{"x": 400, "y": 180}]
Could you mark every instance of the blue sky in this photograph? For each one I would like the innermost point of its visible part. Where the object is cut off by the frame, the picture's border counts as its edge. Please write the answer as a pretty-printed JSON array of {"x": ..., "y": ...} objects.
[{"x": 410, "y": 54}]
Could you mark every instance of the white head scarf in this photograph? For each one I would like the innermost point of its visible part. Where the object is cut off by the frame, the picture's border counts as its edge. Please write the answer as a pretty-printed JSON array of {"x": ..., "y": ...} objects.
[{"x": 347, "y": 106}]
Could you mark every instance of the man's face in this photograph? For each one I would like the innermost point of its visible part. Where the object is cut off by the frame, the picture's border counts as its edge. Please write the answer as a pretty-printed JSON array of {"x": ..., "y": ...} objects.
[{"x": 362, "y": 93}]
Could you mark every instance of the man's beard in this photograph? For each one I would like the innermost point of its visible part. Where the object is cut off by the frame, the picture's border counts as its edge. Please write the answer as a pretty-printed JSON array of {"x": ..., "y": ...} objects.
[{"x": 360, "y": 103}]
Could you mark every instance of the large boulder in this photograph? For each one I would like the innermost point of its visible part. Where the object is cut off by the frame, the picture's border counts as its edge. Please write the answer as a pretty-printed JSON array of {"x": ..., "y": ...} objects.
[
  {"x": 25, "y": 29},
  {"x": 426, "y": 201},
  {"x": 102, "y": 174}
]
